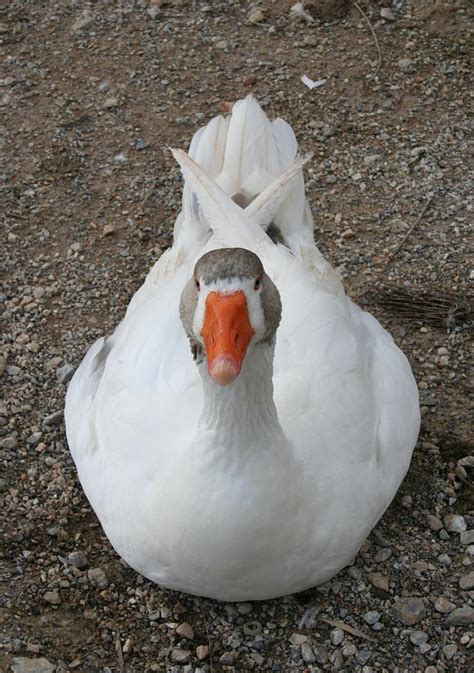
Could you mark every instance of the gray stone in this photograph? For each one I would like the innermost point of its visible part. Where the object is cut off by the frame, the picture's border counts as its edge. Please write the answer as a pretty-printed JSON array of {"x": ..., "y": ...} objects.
[
  {"x": 298, "y": 639},
  {"x": 336, "y": 659},
  {"x": 307, "y": 654},
  {"x": 9, "y": 442},
  {"x": 98, "y": 578},
  {"x": 153, "y": 11},
  {"x": 52, "y": 597},
  {"x": 407, "y": 501},
  {"x": 409, "y": 611},
  {"x": 228, "y": 658},
  {"x": 379, "y": 581},
  {"x": 449, "y": 651},
  {"x": 405, "y": 64},
  {"x": 336, "y": 636},
  {"x": 380, "y": 539},
  {"x": 320, "y": 654},
  {"x": 34, "y": 438},
  {"x": 244, "y": 608},
  {"x": 443, "y": 605},
  {"x": 433, "y": 522},
  {"x": 110, "y": 103},
  {"x": 255, "y": 656},
  {"x": 387, "y": 14},
  {"x": 467, "y": 582},
  {"x": 444, "y": 559},
  {"x": 202, "y": 652},
  {"x": 53, "y": 419},
  {"x": 185, "y": 630},
  {"x": 25, "y": 665},
  {"x": 455, "y": 523},
  {"x": 363, "y": 657},
  {"x": 83, "y": 23},
  {"x": 467, "y": 537},
  {"x": 461, "y": 616},
  {"x": 417, "y": 638},
  {"x": 180, "y": 656},
  {"x": 382, "y": 555},
  {"x": 310, "y": 41},
  {"x": 78, "y": 559},
  {"x": 371, "y": 617},
  {"x": 349, "y": 650}
]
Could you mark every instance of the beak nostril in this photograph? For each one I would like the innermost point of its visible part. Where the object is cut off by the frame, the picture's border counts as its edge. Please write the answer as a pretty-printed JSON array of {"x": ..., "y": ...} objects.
[{"x": 227, "y": 333}]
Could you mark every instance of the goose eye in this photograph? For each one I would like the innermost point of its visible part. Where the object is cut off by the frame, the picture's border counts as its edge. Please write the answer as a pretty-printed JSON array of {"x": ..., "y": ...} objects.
[
  {"x": 256, "y": 284},
  {"x": 198, "y": 285}
]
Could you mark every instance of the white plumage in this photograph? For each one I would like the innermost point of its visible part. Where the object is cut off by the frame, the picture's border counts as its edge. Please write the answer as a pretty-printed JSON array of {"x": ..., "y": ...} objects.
[{"x": 194, "y": 488}]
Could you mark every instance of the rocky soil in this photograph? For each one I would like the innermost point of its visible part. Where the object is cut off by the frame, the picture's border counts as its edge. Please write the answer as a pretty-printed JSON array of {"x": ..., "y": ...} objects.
[{"x": 91, "y": 93}]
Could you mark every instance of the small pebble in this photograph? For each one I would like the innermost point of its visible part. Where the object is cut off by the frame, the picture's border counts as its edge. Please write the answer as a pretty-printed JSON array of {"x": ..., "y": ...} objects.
[
  {"x": 449, "y": 651},
  {"x": 371, "y": 617},
  {"x": 455, "y": 523},
  {"x": 363, "y": 656},
  {"x": 111, "y": 103},
  {"x": 409, "y": 611},
  {"x": 298, "y": 639},
  {"x": 443, "y": 605},
  {"x": 417, "y": 638},
  {"x": 405, "y": 64},
  {"x": 467, "y": 582},
  {"x": 185, "y": 630},
  {"x": 461, "y": 616},
  {"x": 433, "y": 522},
  {"x": 387, "y": 14},
  {"x": 336, "y": 636},
  {"x": 307, "y": 654},
  {"x": 310, "y": 41},
  {"x": 445, "y": 559},
  {"x": 407, "y": 501},
  {"x": 25, "y": 665},
  {"x": 202, "y": 652},
  {"x": 349, "y": 650},
  {"x": 383, "y": 555},
  {"x": 379, "y": 581},
  {"x": 78, "y": 559},
  {"x": 98, "y": 578},
  {"x": 53, "y": 419},
  {"x": 180, "y": 656},
  {"x": 52, "y": 597}
]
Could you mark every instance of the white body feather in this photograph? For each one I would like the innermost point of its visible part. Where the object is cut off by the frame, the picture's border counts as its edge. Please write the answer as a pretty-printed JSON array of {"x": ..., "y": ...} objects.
[{"x": 194, "y": 490}]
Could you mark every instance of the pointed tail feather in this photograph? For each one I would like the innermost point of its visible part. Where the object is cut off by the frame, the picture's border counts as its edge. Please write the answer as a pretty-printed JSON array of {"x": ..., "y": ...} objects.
[
  {"x": 266, "y": 205},
  {"x": 229, "y": 222}
]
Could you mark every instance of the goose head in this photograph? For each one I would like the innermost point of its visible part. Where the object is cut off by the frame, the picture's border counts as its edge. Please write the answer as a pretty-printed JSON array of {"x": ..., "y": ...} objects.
[{"x": 230, "y": 305}]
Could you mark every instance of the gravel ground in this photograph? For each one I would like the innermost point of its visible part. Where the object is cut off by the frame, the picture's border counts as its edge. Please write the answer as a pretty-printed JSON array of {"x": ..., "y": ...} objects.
[{"x": 90, "y": 96}]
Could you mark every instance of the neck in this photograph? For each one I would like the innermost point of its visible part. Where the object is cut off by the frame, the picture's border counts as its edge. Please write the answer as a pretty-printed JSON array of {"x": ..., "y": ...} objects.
[{"x": 244, "y": 413}]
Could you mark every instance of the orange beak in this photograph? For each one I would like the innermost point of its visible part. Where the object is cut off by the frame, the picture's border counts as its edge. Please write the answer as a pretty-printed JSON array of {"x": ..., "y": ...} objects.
[{"x": 227, "y": 333}]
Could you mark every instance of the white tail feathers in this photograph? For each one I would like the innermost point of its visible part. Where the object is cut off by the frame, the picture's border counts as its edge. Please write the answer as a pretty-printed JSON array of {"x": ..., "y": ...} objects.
[
  {"x": 244, "y": 153},
  {"x": 266, "y": 205},
  {"x": 228, "y": 221}
]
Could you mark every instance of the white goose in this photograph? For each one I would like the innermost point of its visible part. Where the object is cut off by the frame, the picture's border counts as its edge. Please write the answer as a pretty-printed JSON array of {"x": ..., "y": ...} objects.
[{"x": 259, "y": 468}]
